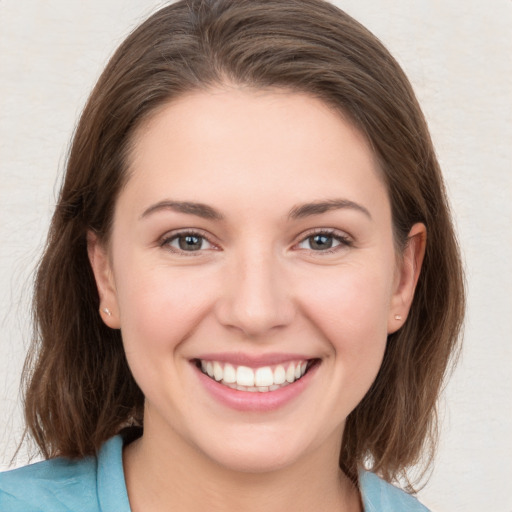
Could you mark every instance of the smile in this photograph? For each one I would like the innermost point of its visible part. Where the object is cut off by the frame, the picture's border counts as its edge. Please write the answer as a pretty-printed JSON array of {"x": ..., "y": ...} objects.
[{"x": 262, "y": 379}]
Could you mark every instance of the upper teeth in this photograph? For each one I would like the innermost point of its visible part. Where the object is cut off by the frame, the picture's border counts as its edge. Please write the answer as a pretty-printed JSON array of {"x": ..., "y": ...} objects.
[{"x": 265, "y": 378}]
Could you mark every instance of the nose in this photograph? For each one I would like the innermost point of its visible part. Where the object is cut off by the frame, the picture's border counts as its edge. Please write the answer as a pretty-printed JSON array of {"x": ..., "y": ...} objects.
[{"x": 256, "y": 298}]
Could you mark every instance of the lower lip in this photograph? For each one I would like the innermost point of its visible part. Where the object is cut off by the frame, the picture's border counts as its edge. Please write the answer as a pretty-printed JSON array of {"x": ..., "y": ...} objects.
[{"x": 255, "y": 401}]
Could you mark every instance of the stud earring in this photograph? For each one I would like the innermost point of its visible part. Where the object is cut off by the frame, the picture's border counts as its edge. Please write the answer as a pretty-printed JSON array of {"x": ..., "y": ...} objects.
[
  {"x": 107, "y": 311},
  {"x": 398, "y": 317}
]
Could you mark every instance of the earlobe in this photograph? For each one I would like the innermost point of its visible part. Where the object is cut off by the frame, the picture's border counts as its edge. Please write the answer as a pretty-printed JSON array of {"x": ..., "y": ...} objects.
[
  {"x": 101, "y": 267},
  {"x": 408, "y": 272}
]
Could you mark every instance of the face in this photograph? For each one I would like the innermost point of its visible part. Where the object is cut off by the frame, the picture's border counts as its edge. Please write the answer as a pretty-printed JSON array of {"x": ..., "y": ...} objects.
[{"x": 252, "y": 272}]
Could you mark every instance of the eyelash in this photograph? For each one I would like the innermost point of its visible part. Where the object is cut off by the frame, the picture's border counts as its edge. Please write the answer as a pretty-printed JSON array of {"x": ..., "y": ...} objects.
[
  {"x": 344, "y": 241},
  {"x": 168, "y": 239}
]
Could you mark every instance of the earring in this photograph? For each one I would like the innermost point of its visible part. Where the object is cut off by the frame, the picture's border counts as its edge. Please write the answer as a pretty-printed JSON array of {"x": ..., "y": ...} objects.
[
  {"x": 398, "y": 317},
  {"x": 107, "y": 311}
]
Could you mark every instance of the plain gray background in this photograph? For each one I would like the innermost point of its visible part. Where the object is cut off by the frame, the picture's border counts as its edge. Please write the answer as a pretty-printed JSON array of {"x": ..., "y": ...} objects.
[{"x": 458, "y": 54}]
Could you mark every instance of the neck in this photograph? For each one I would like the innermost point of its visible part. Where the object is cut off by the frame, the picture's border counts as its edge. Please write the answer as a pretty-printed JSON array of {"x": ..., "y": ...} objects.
[{"x": 168, "y": 475}]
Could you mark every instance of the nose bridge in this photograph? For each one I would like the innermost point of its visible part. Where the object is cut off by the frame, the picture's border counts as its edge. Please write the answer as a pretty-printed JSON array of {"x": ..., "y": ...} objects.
[{"x": 256, "y": 297}]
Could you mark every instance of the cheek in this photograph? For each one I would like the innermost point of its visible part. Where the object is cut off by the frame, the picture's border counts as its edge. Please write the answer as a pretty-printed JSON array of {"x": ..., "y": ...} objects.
[
  {"x": 354, "y": 295},
  {"x": 350, "y": 306},
  {"x": 159, "y": 306},
  {"x": 159, "y": 310}
]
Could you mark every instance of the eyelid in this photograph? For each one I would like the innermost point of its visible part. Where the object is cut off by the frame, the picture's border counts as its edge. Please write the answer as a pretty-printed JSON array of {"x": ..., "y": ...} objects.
[
  {"x": 164, "y": 241},
  {"x": 341, "y": 236}
]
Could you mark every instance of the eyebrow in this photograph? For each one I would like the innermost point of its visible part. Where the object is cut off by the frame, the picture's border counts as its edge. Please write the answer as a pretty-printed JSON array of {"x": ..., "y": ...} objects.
[
  {"x": 316, "y": 208},
  {"x": 298, "y": 212},
  {"x": 188, "y": 207}
]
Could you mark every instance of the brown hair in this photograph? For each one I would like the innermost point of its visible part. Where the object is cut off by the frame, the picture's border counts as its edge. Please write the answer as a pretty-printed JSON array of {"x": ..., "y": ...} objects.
[{"x": 79, "y": 388}]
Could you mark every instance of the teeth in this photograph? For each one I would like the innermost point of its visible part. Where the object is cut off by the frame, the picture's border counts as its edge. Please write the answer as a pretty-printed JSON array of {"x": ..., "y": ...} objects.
[
  {"x": 290, "y": 373},
  {"x": 260, "y": 380},
  {"x": 229, "y": 374},
  {"x": 218, "y": 373},
  {"x": 245, "y": 376},
  {"x": 264, "y": 376},
  {"x": 279, "y": 375}
]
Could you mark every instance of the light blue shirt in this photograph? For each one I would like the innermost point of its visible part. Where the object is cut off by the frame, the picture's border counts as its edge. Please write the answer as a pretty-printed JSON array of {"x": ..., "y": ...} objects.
[{"x": 96, "y": 484}]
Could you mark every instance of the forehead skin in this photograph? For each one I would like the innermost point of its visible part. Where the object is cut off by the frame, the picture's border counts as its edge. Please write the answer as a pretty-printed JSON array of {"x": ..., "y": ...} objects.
[{"x": 193, "y": 120}]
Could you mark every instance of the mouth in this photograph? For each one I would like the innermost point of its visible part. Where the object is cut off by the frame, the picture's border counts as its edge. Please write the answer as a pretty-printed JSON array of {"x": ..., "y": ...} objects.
[{"x": 261, "y": 379}]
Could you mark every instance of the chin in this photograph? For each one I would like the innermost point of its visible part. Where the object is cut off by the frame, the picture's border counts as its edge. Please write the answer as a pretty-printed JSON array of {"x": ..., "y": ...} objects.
[
  {"x": 254, "y": 459},
  {"x": 257, "y": 449}
]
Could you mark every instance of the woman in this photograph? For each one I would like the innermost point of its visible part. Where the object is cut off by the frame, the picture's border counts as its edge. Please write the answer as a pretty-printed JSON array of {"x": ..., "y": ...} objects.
[{"x": 251, "y": 288}]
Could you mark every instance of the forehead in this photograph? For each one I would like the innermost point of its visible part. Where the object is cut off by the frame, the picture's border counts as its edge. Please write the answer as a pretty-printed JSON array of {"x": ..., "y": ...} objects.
[{"x": 210, "y": 144}]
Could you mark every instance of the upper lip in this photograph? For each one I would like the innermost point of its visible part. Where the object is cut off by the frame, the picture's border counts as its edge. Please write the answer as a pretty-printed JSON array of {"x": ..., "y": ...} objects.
[{"x": 253, "y": 361}]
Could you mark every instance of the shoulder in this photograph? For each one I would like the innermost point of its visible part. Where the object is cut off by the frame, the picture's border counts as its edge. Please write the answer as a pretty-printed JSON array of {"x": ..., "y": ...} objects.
[
  {"x": 380, "y": 496},
  {"x": 55, "y": 484},
  {"x": 61, "y": 485}
]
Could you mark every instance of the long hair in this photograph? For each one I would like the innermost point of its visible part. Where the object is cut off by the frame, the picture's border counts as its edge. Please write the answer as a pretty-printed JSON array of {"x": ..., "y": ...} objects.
[{"x": 79, "y": 388}]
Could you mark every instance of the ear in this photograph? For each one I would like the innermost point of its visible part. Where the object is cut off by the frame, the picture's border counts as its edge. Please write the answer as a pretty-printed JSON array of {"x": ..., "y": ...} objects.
[
  {"x": 101, "y": 267},
  {"x": 407, "y": 274}
]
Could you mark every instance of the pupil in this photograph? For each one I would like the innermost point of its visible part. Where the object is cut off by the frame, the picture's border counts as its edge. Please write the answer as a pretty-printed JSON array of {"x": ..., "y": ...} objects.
[
  {"x": 190, "y": 243},
  {"x": 319, "y": 242}
]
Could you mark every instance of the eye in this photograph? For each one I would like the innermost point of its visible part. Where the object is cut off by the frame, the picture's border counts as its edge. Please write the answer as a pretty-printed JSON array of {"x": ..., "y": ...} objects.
[
  {"x": 187, "y": 242},
  {"x": 324, "y": 241}
]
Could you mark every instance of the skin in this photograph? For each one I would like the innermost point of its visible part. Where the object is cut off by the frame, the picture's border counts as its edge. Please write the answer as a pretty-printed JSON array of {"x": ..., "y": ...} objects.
[{"x": 256, "y": 285}]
